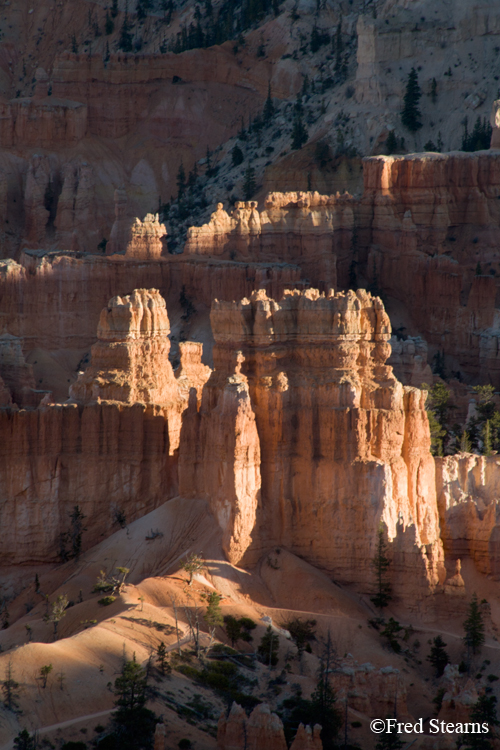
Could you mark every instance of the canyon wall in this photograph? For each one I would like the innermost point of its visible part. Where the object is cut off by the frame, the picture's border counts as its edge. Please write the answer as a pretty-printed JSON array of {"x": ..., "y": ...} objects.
[
  {"x": 106, "y": 458},
  {"x": 343, "y": 446},
  {"x": 468, "y": 488},
  {"x": 312, "y": 230},
  {"x": 42, "y": 296},
  {"x": 428, "y": 237},
  {"x": 111, "y": 449}
]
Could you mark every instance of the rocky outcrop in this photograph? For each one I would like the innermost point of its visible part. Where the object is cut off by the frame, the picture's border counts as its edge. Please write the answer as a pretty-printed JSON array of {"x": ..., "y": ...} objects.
[
  {"x": 495, "y": 124},
  {"x": 262, "y": 729},
  {"x": 409, "y": 361},
  {"x": 429, "y": 229},
  {"x": 36, "y": 213},
  {"x": 110, "y": 459},
  {"x": 44, "y": 288},
  {"x": 369, "y": 690},
  {"x": 315, "y": 230},
  {"x": 343, "y": 445},
  {"x": 42, "y": 123},
  {"x": 192, "y": 373},
  {"x": 468, "y": 488},
  {"x": 121, "y": 230},
  {"x": 16, "y": 374},
  {"x": 130, "y": 362},
  {"x": 148, "y": 238},
  {"x": 76, "y": 219},
  {"x": 130, "y": 359}
]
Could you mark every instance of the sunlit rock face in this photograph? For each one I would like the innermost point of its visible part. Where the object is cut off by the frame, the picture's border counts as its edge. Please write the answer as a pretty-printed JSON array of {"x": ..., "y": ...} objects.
[{"x": 325, "y": 443}]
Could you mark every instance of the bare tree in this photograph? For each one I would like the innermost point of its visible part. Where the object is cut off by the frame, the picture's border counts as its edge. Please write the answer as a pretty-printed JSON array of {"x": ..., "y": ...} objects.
[
  {"x": 192, "y": 612},
  {"x": 174, "y": 605},
  {"x": 57, "y": 612}
]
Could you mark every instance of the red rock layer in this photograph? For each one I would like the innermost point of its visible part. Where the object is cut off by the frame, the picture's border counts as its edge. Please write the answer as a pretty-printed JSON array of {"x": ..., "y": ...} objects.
[
  {"x": 343, "y": 446},
  {"x": 426, "y": 222},
  {"x": 307, "y": 228},
  {"x": 42, "y": 298},
  {"x": 103, "y": 457},
  {"x": 468, "y": 487}
]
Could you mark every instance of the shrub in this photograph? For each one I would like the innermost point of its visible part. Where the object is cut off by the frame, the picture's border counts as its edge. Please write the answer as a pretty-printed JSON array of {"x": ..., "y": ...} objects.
[{"x": 106, "y": 600}]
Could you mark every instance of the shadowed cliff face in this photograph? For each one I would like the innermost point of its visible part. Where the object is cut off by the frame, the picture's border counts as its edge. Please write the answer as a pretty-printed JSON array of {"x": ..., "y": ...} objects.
[{"x": 343, "y": 446}]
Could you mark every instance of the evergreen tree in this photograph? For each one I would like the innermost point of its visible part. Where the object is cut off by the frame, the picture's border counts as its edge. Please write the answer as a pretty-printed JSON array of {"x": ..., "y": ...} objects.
[
  {"x": 380, "y": 564},
  {"x": 109, "y": 25},
  {"x": 162, "y": 659},
  {"x": 411, "y": 115},
  {"x": 114, "y": 8},
  {"x": 483, "y": 712},
  {"x": 268, "y": 107},
  {"x": 25, "y": 741},
  {"x": 433, "y": 90},
  {"x": 236, "y": 155},
  {"x": 438, "y": 656},
  {"x": 299, "y": 134},
  {"x": 140, "y": 10},
  {"x": 480, "y": 137},
  {"x": 44, "y": 674},
  {"x": 474, "y": 627},
  {"x": 194, "y": 563},
  {"x": 134, "y": 722},
  {"x": 125, "y": 41},
  {"x": 213, "y": 615},
  {"x": 302, "y": 633},
  {"x": 487, "y": 447},
  {"x": 465, "y": 443},
  {"x": 74, "y": 45},
  {"x": 249, "y": 184},
  {"x": 238, "y": 629},
  {"x": 77, "y": 529},
  {"x": 9, "y": 688},
  {"x": 181, "y": 181},
  {"x": 268, "y": 648},
  {"x": 338, "y": 47},
  {"x": 391, "y": 143}
]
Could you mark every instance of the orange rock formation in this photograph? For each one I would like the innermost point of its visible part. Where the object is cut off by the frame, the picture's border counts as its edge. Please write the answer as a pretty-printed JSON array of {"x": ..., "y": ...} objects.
[
  {"x": 468, "y": 487},
  {"x": 130, "y": 359},
  {"x": 323, "y": 438},
  {"x": 314, "y": 230}
]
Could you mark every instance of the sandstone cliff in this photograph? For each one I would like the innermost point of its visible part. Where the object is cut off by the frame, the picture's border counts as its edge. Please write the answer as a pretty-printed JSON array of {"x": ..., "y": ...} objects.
[
  {"x": 262, "y": 729},
  {"x": 112, "y": 453},
  {"x": 342, "y": 444},
  {"x": 307, "y": 228},
  {"x": 468, "y": 487}
]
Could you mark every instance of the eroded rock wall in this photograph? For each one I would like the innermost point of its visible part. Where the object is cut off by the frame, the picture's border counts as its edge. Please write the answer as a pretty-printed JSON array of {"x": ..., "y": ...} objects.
[
  {"x": 468, "y": 488},
  {"x": 103, "y": 457},
  {"x": 313, "y": 230},
  {"x": 428, "y": 238},
  {"x": 343, "y": 446}
]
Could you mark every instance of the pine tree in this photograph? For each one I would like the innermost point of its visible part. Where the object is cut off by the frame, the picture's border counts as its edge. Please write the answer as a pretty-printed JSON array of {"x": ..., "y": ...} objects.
[
  {"x": 268, "y": 648},
  {"x": 236, "y": 155},
  {"x": 125, "y": 41},
  {"x": 181, "y": 181},
  {"x": 213, "y": 615},
  {"x": 77, "y": 529},
  {"x": 299, "y": 134},
  {"x": 9, "y": 688},
  {"x": 487, "y": 448},
  {"x": 140, "y": 10},
  {"x": 162, "y": 659},
  {"x": 438, "y": 656},
  {"x": 391, "y": 143},
  {"x": 268, "y": 106},
  {"x": 135, "y": 723},
  {"x": 44, "y": 674},
  {"x": 25, "y": 741},
  {"x": 109, "y": 25},
  {"x": 380, "y": 564},
  {"x": 114, "y": 9},
  {"x": 249, "y": 184},
  {"x": 483, "y": 712},
  {"x": 433, "y": 91},
  {"x": 410, "y": 117},
  {"x": 74, "y": 45},
  {"x": 474, "y": 627}
]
